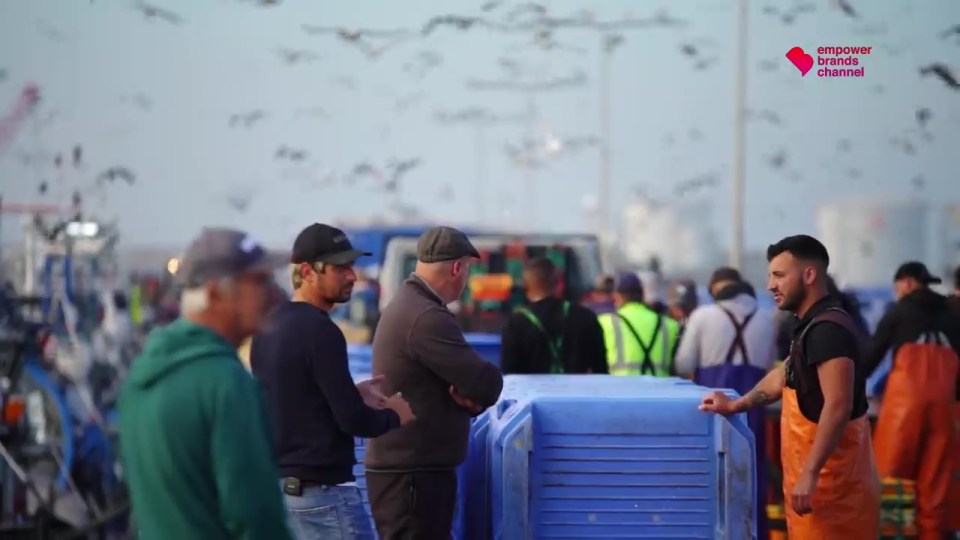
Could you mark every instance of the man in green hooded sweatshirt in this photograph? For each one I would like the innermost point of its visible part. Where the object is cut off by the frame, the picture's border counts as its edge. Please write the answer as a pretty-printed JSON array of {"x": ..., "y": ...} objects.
[{"x": 193, "y": 432}]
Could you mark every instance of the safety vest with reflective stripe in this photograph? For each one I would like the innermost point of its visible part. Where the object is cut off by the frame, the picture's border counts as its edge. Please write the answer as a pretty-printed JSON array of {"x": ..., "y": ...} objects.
[{"x": 639, "y": 341}]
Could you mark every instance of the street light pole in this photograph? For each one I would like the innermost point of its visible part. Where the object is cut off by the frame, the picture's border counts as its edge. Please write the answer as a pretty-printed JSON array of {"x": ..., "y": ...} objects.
[
  {"x": 479, "y": 141},
  {"x": 738, "y": 184},
  {"x": 528, "y": 175},
  {"x": 603, "y": 208}
]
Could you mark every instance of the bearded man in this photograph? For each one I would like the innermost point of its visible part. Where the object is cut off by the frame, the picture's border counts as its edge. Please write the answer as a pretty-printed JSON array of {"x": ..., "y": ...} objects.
[{"x": 829, "y": 474}]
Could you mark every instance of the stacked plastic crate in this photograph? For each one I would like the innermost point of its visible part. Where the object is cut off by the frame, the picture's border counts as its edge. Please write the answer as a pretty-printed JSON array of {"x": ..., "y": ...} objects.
[
  {"x": 361, "y": 366},
  {"x": 600, "y": 457}
]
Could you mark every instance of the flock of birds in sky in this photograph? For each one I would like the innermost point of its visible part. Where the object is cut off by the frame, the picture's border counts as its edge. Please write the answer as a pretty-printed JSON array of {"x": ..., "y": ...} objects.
[{"x": 544, "y": 30}]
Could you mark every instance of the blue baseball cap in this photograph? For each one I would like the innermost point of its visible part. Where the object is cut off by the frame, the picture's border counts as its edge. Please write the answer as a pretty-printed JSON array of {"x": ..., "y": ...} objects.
[{"x": 628, "y": 282}]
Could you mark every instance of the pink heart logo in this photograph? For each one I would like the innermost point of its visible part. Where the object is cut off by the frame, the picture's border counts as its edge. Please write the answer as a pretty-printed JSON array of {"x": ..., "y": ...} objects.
[{"x": 802, "y": 60}]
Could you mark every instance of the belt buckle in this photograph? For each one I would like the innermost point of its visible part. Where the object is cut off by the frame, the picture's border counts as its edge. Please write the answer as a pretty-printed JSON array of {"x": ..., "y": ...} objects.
[{"x": 292, "y": 486}]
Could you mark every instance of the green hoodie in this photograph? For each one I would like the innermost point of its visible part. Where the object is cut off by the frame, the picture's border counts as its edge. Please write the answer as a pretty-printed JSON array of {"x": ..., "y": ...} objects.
[{"x": 195, "y": 442}]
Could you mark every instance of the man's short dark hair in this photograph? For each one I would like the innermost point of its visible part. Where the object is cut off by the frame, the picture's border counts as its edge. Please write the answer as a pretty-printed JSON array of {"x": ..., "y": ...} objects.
[
  {"x": 802, "y": 247},
  {"x": 605, "y": 285},
  {"x": 543, "y": 270},
  {"x": 956, "y": 278}
]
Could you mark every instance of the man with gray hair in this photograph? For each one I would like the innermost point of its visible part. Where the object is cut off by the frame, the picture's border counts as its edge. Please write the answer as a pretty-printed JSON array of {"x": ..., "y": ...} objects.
[
  {"x": 420, "y": 349},
  {"x": 193, "y": 432}
]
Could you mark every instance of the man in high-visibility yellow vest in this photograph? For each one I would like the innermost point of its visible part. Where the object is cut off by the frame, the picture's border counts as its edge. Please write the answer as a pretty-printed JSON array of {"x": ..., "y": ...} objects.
[{"x": 639, "y": 340}]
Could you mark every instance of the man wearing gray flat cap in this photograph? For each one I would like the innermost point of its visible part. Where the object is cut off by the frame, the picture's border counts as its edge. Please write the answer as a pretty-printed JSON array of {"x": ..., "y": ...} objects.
[
  {"x": 420, "y": 349},
  {"x": 194, "y": 437}
]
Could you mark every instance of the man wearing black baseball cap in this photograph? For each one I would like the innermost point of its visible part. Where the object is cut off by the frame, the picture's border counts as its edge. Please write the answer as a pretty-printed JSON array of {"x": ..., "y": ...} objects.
[
  {"x": 194, "y": 440},
  {"x": 911, "y": 276},
  {"x": 301, "y": 359},
  {"x": 914, "y": 433},
  {"x": 420, "y": 348}
]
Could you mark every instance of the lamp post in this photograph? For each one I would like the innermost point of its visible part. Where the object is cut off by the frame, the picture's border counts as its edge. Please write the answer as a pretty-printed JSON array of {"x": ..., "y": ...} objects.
[
  {"x": 480, "y": 148},
  {"x": 479, "y": 119},
  {"x": 739, "y": 139},
  {"x": 610, "y": 43},
  {"x": 529, "y": 91}
]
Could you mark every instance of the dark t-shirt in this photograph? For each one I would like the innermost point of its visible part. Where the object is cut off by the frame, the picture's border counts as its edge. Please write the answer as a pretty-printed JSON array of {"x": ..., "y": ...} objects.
[
  {"x": 824, "y": 341},
  {"x": 300, "y": 359},
  {"x": 525, "y": 349}
]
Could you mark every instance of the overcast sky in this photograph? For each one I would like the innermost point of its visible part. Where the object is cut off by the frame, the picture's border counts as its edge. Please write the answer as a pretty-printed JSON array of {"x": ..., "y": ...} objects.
[{"x": 158, "y": 97}]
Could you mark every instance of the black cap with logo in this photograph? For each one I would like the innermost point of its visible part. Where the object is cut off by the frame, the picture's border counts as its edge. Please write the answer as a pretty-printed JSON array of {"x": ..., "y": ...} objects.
[
  {"x": 918, "y": 271},
  {"x": 326, "y": 244}
]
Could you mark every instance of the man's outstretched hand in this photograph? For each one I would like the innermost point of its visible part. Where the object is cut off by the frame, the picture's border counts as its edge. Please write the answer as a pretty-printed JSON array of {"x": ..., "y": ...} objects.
[
  {"x": 718, "y": 402},
  {"x": 465, "y": 402},
  {"x": 371, "y": 393}
]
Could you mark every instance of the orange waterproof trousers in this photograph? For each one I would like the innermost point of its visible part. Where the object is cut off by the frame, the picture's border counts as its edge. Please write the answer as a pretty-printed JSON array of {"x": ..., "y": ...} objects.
[
  {"x": 915, "y": 432},
  {"x": 953, "y": 507},
  {"x": 846, "y": 503}
]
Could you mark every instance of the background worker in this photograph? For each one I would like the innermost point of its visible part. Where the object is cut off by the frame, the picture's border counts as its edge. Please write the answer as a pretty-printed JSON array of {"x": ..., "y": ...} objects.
[
  {"x": 732, "y": 344},
  {"x": 600, "y": 300},
  {"x": 550, "y": 334},
  {"x": 829, "y": 475},
  {"x": 639, "y": 340},
  {"x": 194, "y": 438},
  {"x": 419, "y": 347},
  {"x": 681, "y": 301},
  {"x": 915, "y": 434},
  {"x": 300, "y": 358}
]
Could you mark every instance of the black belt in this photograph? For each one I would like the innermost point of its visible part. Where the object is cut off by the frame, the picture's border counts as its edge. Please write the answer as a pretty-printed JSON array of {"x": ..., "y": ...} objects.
[{"x": 294, "y": 486}]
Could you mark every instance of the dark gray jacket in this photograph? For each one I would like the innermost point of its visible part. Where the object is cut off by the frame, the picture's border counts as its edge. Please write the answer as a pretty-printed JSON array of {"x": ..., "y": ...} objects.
[{"x": 419, "y": 347}]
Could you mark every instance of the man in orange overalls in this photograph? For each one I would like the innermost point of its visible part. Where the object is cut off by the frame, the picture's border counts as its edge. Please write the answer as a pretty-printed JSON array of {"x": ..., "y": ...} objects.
[
  {"x": 829, "y": 477},
  {"x": 915, "y": 430}
]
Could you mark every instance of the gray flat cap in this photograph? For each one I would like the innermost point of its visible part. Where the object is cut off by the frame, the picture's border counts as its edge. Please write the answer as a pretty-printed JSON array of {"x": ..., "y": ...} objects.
[
  {"x": 444, "y": 244},
  {"x": 221, "y": 253}
]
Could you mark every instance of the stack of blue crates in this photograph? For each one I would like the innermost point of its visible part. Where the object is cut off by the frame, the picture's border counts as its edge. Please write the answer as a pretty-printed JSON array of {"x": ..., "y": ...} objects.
[
  {"x": 473, "y": 503},
  {"x": 613, "y": 457},
  {"x": 590, "y": 456},
  {"x": 359, "y": 451},
  {"x": 360, "y": 358},
  {"x": 487, "y": 346},
  {"x": 361, "y": 366}
]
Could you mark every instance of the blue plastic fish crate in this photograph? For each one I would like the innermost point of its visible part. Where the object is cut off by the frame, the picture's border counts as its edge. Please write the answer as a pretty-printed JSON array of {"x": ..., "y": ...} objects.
[
  {"x": 360, "y": 356},
  {"x": 466, "y": 474},
  {"x": 486, "y": 345},
  {"x": 615, "y": 457},
  {"x": 359, "y": 451},
  {"x": 465, "y": 477},
  {"x": 473, "y": 504}
]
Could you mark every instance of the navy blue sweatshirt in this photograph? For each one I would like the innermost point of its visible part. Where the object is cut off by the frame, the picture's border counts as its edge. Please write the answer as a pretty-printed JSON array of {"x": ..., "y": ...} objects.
[{"x": 300, "y": 358}]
